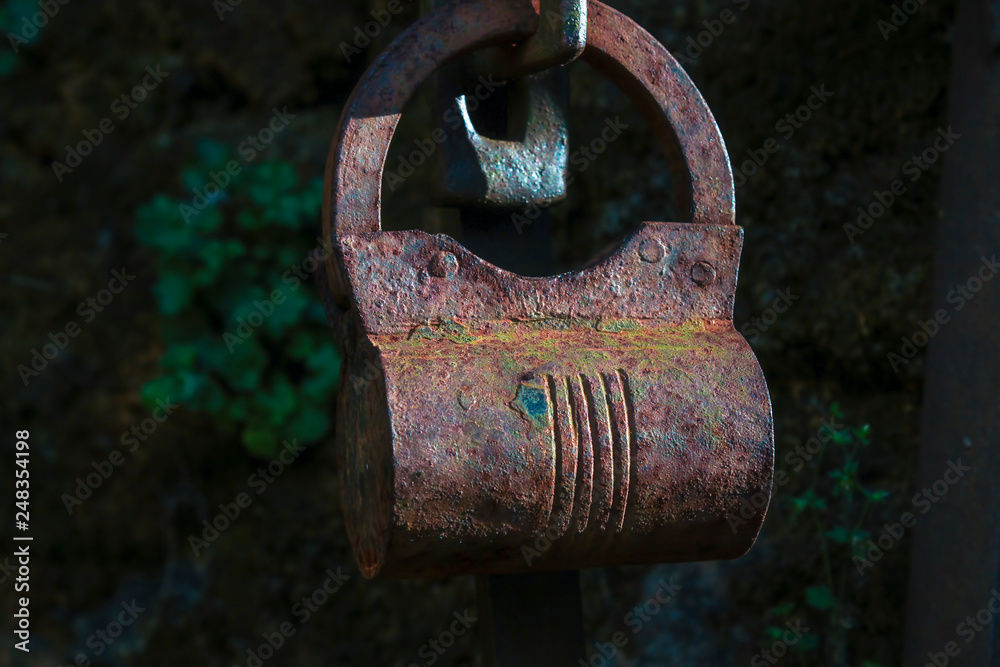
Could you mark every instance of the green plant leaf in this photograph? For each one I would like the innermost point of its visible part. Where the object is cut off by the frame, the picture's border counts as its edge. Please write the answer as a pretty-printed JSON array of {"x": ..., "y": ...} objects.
[
  {"x": 173, "y": 291},
  {"x": 845, "y": 479},
  {"x": 840, "y": 534},
  {"x": 243, "y": 368},
  {"x": 19, "y": 10},
  {"x": 302, "y": 344},
  {"x": 215, "y": 255},
  {"x": 259, "y": 368},
  {"x": 160, "y": 225},
  {"x": 310, "y": 424},
  {"x": 326, "y": 360},
  {"x": 8, "y": 63},
  {"x": 164, "y": 388},
  {"x": 808, "y": 643},
  {"x": 261, "y": 442},
  {"x": 809, "y": 500},
  {"x": 213, "y": 154},
  {"x": 877, "y": 496},
  {"x": 238, "y": 409},
  {"x": 180, "y": 357},
  {"x": 279, "y": 400},
  {"x": 842, "y": 437},
  {"x": 845, "y": 535},
  {"x": 820, "y": 598},
  {"x": 287, "y": 314},
  {"x": 783, "y": 609}
]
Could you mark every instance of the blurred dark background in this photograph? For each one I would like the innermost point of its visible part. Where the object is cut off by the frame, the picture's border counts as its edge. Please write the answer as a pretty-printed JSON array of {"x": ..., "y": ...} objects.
[{"x": 194, "y": 263}]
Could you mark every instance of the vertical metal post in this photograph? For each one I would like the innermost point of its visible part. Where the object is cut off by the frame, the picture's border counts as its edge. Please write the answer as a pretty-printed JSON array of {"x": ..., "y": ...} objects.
[
  {"x": 956, "y": 545},
  {"x": 534, "y": 619},
  {"x": 531, "y": 620},
  {"x": 494, "y": 236}
]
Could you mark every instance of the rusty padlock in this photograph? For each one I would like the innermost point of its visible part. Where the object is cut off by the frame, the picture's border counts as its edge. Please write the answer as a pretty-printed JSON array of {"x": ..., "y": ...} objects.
[{"x": 489, "y": 422}]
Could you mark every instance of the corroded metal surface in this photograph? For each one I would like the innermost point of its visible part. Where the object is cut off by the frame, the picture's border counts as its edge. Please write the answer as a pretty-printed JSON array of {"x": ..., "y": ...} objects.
[
  {"x": 616, "y": 46},
  {"x": 475, "y": 170},
  {"x": 409, "y": 277},
  {"x": 527, "y": 163},
  {"x": 560, "y": 39},
  {"x": 494, "y": 423}
]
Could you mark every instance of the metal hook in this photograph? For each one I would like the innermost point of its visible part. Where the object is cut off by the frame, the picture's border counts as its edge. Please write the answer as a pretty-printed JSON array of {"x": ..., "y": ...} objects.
[
  {"x": 478, "y": 171},
  {"x": 561, "y": 39}
]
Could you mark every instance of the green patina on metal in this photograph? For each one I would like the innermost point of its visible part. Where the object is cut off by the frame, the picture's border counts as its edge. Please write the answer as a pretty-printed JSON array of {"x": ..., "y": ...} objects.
[
  {"x": 533, "y": 403},
  {"x": 618, "y": 326},
  {"x": 447, "y": 329}
]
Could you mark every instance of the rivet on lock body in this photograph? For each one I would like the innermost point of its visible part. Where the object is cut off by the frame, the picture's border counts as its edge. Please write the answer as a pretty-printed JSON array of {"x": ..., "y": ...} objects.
[{"x": 613, "y": 414}]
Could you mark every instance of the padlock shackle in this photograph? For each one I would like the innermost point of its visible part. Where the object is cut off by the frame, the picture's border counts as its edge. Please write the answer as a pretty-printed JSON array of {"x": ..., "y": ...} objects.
[{"x": 616, "y": 46}]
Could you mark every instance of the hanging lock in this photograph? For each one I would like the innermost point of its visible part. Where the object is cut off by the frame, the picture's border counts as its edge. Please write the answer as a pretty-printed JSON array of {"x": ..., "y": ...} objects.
[{"x": 489, "y": 422}]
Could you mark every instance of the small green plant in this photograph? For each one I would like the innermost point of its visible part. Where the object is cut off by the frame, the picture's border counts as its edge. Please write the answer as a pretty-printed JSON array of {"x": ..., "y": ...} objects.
[
  {"x": 15, "y": 17},
  {"x": 784, "y": 634},
  {"x": 246, "y": 337},
  {"x": 829, "y": 514}
]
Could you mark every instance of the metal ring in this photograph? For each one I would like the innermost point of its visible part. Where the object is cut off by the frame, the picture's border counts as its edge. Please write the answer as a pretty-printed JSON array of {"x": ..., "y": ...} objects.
[
  {"x": 561, "y": 39},
  {"x": 616, "y": 46}
]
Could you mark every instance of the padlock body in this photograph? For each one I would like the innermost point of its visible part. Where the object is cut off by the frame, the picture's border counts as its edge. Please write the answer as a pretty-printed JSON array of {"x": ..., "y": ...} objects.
[
  {"x": 554, "y": 444},
  {"x": 606, "y": 416}
]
